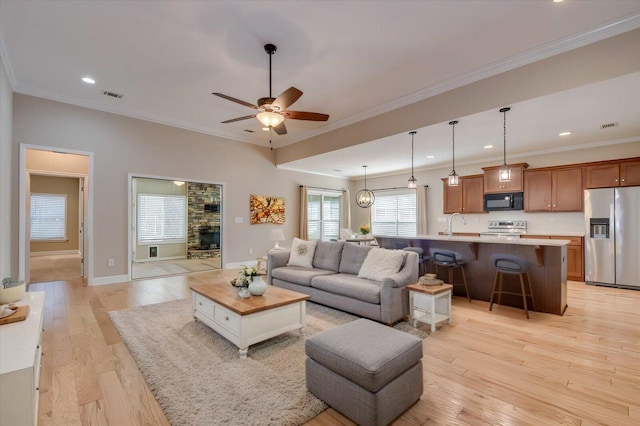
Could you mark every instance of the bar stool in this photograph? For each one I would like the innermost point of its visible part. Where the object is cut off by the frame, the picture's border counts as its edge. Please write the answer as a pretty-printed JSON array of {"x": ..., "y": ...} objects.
[
  {"x": 451, "y": 260},
  {"x": 509, "y": 264},
  {"x": 422, "y": 261}
]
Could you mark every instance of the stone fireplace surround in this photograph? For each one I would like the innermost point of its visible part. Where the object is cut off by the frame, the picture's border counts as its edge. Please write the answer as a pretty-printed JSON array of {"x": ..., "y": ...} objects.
[{"x": 203, "y": 203}]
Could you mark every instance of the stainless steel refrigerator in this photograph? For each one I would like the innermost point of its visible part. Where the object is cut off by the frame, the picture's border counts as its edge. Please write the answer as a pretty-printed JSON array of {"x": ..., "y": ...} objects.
[{"x": 612, "y": 237}]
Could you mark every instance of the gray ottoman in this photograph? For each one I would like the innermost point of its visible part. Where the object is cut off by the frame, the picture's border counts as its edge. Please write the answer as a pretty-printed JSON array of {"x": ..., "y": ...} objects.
[{"x": 367, "y": 371}]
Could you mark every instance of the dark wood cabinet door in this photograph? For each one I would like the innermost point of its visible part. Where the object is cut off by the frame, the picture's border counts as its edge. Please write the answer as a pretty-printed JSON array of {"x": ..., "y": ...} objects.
[
  {"x": 537, "y": 191},
  {"x": 575, "y": 258},
  {"x": 452, "y": 198},
  {"x": 603, "y": 176},
  {"x": 492, "y": 183},
  {"x": 472, "y": 195},
  {"x": 566, "y": 190},
  {"x": 630, "y": 173}
]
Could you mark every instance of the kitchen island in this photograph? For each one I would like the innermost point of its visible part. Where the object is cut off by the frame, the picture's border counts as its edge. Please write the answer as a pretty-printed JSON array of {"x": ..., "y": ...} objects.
[{"x": 547, "y": 258}]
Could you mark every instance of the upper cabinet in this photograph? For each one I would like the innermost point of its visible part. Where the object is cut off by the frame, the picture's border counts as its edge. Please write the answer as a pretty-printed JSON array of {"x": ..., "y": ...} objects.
[
  {"x": 492, "y": 183},
  {"x": 612, "y": 174},
  {"x": 464, "y": 198},
  {"x": 553, "y": 190}
]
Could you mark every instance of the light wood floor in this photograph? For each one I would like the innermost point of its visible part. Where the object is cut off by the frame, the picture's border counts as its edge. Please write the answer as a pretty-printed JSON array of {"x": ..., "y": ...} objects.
[
  {"x": 485, "y": 368},
  {"x": 162, "y": 268},
  {"x": 54, "y": 267}
]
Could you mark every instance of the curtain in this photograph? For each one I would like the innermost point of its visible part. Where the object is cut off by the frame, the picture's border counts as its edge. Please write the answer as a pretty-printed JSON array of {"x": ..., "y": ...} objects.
[
  {"x": 304, "y": 216},
  {"x": 421, "y": 210},
  {"x": 346, "y": 210}
]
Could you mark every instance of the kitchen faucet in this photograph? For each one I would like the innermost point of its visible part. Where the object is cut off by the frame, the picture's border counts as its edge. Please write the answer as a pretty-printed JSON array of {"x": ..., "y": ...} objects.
[{"x": 449, "y": 230}]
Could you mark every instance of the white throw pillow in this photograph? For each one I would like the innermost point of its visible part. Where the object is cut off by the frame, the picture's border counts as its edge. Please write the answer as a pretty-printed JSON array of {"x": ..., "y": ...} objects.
[
  {"x": 302, "y": 253},
  {"x": 381, "y": 263}
]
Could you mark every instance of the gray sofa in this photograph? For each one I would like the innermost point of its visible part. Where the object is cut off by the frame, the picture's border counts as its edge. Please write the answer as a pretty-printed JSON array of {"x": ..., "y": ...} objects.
[{"x": 333, "y": 281}]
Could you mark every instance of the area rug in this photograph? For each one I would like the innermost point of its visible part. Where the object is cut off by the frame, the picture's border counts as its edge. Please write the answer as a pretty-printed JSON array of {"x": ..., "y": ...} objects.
[{"x": 198, "y": 379}]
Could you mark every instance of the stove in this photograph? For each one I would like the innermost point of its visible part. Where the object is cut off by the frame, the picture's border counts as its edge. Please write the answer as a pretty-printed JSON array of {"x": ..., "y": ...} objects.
[{"x": 505, "y": 229}]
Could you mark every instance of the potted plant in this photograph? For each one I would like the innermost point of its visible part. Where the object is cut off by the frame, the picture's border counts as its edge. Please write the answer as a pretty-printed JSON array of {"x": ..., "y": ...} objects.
[{"x": 364, "y": 230}]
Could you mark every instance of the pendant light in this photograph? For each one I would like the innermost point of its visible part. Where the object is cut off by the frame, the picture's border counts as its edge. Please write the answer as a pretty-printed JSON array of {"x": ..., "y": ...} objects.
[
  {"x": 504, "y": 174},
  {"x": 413, "y": 182},
  {"x": 453, "y": 176},
  {"x": 365, "y": 197}
]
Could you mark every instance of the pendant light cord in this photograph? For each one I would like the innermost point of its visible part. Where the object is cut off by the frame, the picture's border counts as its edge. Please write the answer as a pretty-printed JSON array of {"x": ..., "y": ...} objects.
[
  {"x": 504, "y": 142},
  {"x": 453, "y": 147},
  {"x": 270, "y": 55},
  {"x": 412, "y": 134}
]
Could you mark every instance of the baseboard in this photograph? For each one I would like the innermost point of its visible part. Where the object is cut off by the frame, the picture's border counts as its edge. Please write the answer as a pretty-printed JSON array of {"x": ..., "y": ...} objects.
[
  {"x": 238, "y": 265},
  {"x": 112, "y": 279},
  {"x": 53, "y": 253},
  {"x": 155, "y": 259}
]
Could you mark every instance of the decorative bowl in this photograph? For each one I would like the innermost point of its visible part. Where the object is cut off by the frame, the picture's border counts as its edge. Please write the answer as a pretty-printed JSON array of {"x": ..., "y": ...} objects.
[
  {"x": 11, "y": 294},
  {"x": 430, "y": 276}
]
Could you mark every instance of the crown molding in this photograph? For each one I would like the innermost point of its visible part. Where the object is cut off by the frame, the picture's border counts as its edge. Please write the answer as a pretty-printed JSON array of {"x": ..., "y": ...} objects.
[{"x": 4, "y": 56}]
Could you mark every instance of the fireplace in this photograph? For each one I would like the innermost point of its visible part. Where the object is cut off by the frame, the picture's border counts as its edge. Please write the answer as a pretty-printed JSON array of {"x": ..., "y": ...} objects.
[{"x": 209, "y": 237}]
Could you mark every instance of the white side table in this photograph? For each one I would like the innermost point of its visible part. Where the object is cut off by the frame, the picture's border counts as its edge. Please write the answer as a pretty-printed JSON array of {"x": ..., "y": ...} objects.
[{"x": 430, "y": 304}]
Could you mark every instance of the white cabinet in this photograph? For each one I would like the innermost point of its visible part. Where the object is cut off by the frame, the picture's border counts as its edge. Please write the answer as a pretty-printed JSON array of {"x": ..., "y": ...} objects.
[{"x": 20, "y": 355}]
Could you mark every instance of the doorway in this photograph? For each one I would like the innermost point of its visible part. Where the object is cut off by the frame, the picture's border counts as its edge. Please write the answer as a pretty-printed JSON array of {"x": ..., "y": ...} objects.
[
  {"x": 55, "y": 213},
  {"x": 176, "y": 226}
]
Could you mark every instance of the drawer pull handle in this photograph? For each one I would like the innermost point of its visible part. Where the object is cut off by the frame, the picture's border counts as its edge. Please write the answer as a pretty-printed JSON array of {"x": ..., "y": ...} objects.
[
  {"x": 226, "y": 318},
  {"x": 200, "y": 303}
]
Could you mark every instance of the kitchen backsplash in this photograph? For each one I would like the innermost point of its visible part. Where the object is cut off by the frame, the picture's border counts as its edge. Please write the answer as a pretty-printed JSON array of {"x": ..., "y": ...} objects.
[{"x": 537, "y": 223}]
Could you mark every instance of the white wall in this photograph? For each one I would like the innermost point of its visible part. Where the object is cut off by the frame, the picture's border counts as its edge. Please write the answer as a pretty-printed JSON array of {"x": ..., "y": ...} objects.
[
  {"x": 123, "y": 145},
  {"x": 8, "y": 259},
  {"x": 551, "y": 223}
]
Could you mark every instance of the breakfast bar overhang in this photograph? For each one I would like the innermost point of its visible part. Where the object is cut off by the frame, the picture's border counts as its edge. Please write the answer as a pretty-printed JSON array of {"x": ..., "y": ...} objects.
[{"x": 547, "y": 258}]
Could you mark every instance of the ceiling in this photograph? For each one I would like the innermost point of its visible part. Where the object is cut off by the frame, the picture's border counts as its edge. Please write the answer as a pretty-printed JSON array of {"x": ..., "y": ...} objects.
[{"x": 352, "y": 59}]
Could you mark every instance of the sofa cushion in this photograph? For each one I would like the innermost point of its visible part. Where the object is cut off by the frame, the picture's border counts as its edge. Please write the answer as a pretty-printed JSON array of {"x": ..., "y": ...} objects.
[
  {"x": 352, "y": 257},
  {"x": 298, "y": 275},
  {"x": 327, "y": 255},
  {"x": 349, "y": 285},
  {"x": 380, "y": 263},
  {"x": 302, "y": 253}
]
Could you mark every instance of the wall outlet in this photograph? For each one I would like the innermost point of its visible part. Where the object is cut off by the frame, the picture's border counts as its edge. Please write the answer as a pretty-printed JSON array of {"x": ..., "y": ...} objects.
[
  {"x": 250, "y": 250},
  {"x": 111, "y": 262},
  {"x": 238, "y": 219}
]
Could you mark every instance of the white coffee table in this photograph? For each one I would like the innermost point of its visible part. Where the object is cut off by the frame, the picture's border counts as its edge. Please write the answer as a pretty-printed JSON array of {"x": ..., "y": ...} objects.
[{"x": 245, "y": 322}]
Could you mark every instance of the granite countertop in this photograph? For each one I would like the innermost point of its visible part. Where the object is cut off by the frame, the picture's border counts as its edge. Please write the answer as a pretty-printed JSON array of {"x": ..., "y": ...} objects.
[
  {"x": 558, "y": 234},
  {"x": 514, "y": 241}
]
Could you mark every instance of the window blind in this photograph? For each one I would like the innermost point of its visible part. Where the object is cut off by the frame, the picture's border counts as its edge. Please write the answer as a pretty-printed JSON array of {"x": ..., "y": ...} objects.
[
  {"x": 394, "y": 215},
  {"x": 48, "y": 217},
  {"x": 161, "y": 218}
]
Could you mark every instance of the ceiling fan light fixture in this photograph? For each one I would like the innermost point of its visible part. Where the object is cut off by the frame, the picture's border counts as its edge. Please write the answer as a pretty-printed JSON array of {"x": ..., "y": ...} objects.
[
  {"x": 504, "y": 174},
  {"x": 269, "y": 118},
  {"x": 453, "y": 176}
]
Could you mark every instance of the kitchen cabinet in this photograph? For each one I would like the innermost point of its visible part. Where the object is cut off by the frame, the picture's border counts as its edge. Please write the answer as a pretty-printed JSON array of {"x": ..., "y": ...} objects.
[
  {"x": 553, "y": 190},
  {"x": 575, "y": 254},
  {"x": 464, "y": 198},
  {"x": 613, "y": 174},
  {"x": 493, "y": 185}
]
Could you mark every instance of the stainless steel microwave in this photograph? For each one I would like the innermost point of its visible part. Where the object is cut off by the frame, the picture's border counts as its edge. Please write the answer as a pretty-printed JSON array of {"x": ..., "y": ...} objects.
[{"x": 503, "y": 201}]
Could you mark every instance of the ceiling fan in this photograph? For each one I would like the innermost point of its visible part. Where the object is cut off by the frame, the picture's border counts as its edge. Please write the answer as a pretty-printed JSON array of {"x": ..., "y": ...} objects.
[{"x": 272, "y": 111}]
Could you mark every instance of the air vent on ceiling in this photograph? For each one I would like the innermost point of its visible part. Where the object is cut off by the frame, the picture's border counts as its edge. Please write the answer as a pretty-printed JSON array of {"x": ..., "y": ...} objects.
[
  {"x": 249, "y": 131},
  {"x": 607, "y": 125},
  {"x": 112, "y": 94}
]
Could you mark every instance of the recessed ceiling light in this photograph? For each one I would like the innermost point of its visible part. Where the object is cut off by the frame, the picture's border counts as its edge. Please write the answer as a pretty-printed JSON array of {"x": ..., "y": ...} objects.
[
  {"x": 564, "y": 134},
  {"x": 488, "y": 146},
  {"x": 558, "y": 1},
  {"x": 431, "y": 156},
  {"x": 266, "y": 129},
  {"x": 88, "y": 80}
]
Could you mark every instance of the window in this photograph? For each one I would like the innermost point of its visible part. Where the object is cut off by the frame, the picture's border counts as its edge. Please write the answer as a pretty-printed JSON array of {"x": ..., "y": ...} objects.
[
  {"x": 48, "y": 217},
  {"x": 394, "y": 215},
  {"x": 161, "y": 218},
  {"x": 323, "y": 214}
]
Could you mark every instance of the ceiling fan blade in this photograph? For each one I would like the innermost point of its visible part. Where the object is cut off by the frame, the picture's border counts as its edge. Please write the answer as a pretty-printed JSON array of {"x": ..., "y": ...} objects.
[
  {"x": 246, "y": 117},
  {"x": 238, "y": 101},
  {"x": 281, "y": 129},
  {"x": 287, "y": 98},
  {"x": 302, "y": 115}
]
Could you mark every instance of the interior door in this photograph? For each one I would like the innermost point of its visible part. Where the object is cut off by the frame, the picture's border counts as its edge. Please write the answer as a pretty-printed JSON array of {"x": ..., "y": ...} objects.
[{"x": 82, "y": 238}]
